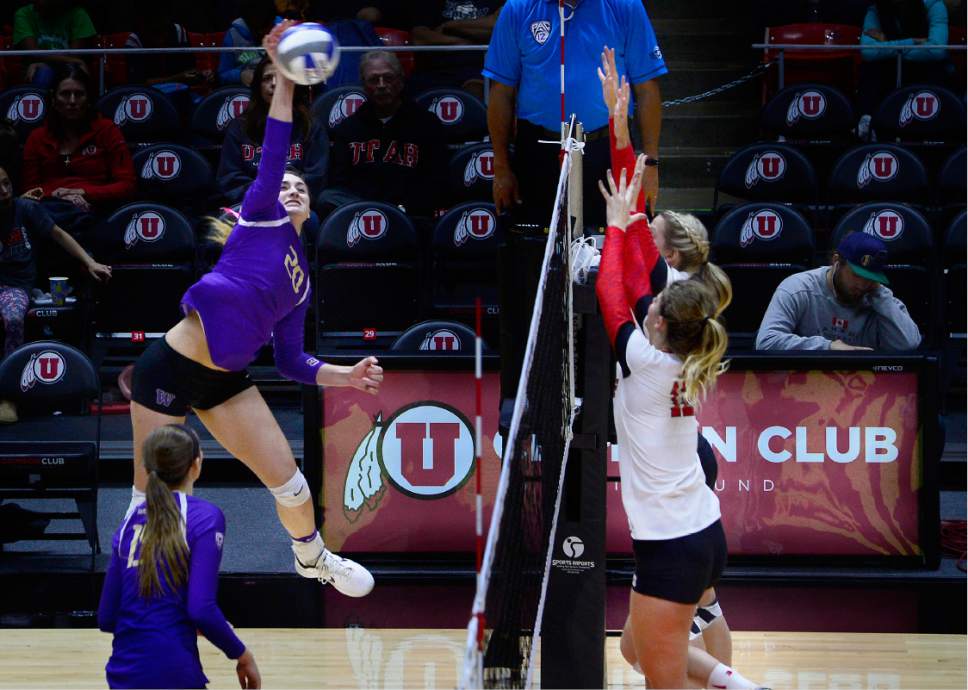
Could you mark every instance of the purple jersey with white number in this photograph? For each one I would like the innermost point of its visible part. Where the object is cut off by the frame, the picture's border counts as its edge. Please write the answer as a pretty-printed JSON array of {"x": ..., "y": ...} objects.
[
  {"x": 156, "y": 638},
  {"x": 259, "y": 289}
]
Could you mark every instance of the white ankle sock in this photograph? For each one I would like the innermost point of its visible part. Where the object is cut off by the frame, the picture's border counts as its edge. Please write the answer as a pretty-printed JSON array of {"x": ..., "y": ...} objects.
[
  {"x": 308, "y": 551},
  {"x": 723, "y": 677},
  {"x": 137, "y": 498}
]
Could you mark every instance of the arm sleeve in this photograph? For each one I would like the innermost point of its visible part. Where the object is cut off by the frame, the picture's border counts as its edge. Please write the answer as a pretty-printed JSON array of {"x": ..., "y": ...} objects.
[
  {"x": 120, "y": 170},
  {"x": 896, "y": 329},
  {"x": 263, "y": 194},
  {"x": 777, "y": 328},
  {"x": 233, "y": 176},
  {"x": 937, "y": 35},
  {"x": 81, "y": 25},
  {"x": 110, "y": 604},
  {"x": 611, "y": 297},
  {"x": 503, "y": 59},
  {"x": 288, "y": 339},
  {"x": 203, "y": 610},
  {"x": 644, "y": 271},
  {"x": 872, "y": 21},
  {"x": 643, "y": 57}
]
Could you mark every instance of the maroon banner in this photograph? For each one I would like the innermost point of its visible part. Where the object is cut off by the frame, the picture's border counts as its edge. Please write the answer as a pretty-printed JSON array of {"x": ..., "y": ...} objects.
[
  {"x": 810, "y": 463},
  {"x": 399, "y": 468}
]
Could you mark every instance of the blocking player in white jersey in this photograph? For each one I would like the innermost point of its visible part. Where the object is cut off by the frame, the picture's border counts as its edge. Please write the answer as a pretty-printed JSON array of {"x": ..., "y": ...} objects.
[{"x": 664, "y": 368}]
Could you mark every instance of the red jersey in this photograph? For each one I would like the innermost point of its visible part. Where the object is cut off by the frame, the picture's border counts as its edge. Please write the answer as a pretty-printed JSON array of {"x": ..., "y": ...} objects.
[{"x": 100, "y": 165}]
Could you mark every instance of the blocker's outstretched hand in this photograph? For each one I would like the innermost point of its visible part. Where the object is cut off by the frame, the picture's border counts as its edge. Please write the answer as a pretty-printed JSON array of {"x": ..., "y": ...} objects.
[{"x": 620, "y": 199}]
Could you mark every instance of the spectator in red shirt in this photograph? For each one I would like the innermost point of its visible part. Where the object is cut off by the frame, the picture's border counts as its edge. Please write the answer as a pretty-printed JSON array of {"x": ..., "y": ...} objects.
[{"x": 77, "y": 163}]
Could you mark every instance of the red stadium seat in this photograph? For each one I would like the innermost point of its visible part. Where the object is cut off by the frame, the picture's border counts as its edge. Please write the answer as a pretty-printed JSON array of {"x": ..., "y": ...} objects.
[
  {"x": 206, "y": 61},
  {"x": 115, "y": 66},
  {"x": 397, "y": 37},
  {"x": 834, "y": 67}
]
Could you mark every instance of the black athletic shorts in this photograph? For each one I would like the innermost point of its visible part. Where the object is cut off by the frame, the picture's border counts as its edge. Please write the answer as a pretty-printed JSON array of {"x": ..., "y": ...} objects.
[
  {"x": 680, "y": 569},
  {"x": 170, "y": 383}
]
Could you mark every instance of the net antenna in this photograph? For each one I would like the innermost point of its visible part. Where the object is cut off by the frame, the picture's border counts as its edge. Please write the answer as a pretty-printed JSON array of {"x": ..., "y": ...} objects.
[{"x": 503, "y": 635}]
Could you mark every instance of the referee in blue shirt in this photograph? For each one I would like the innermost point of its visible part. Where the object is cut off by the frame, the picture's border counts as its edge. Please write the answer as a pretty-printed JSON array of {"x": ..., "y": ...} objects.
[
  {"x": 524, "y": 65},
  {"x": 524, "y": 61}
]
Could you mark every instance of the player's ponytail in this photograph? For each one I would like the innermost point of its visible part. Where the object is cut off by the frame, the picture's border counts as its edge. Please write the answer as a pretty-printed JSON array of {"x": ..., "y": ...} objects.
[
  {"x": 686, "y": 234},
  {"x": 694, "y": 334},
  {"x": 168, "y": 454}
]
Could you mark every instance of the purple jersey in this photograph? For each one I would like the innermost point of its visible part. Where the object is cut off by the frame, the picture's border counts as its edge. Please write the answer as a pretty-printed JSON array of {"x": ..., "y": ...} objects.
[
  {"x": 260, "y": 286},
  {"x": 155, "y": 638}
]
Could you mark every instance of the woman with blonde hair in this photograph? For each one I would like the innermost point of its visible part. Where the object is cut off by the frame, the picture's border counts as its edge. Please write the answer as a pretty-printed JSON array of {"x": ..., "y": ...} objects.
[
  {"x": 162, "y": 583},
  {"x": 689, "y": 309},
  {"x": 258, "y": 291}
]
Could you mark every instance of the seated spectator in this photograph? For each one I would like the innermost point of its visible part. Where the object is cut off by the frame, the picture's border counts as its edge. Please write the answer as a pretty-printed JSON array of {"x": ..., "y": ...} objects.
[
  {"x": 22, "y": 224},
  {"x": 845, "y": 306},
  {"x": 242, "y": 150},
  {"x": 900, "y": 23},
  {"x": 256, "y": 18},
  {"x": 390, "y": 149},
  {"x": 461, "y": 23},
  {"x": 51, "y": 25},
  {"x": 154, "y": 28},
  {"x": 76, "y": 163}
]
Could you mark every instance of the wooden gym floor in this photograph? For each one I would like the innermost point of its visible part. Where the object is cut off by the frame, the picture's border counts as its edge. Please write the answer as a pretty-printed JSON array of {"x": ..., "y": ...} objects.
[{"x": 360, "y": 658}]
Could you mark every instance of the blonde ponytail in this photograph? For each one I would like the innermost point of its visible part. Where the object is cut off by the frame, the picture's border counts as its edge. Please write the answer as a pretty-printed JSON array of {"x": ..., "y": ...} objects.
[
  {"x": 219, "y": 230},
  {"x": 695, "y": 334},
  {"x": 700, "y": 369},
  {"x": 686, "y": 234}
]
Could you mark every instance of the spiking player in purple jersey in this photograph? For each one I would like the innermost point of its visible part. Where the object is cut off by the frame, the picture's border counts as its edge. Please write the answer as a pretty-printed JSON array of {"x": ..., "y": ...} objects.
[
  {"x": 259, "y": 290},
  {"x": 161, "y": 585}
]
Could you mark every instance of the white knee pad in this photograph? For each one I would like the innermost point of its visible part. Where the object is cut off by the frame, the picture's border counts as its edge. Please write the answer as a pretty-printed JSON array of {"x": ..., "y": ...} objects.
[
  {"x": 293, "y": 493},
  {"x": 705, "y": 615}
]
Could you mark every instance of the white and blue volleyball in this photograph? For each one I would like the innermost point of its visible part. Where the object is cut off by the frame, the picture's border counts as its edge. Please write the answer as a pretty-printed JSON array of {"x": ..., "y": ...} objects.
[{"x": 308, "y": 53}]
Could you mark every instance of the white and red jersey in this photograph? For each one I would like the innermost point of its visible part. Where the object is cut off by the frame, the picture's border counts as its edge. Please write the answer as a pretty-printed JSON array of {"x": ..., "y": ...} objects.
[{"x": 664, "y": 490}]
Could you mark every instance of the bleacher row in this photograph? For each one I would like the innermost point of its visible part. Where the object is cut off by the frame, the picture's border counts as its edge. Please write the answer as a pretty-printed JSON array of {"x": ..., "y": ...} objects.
[{"x": 811, "y": 182}]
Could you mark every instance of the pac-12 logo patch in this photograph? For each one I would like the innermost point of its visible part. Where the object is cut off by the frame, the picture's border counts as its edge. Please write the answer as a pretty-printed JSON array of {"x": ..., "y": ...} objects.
[
  {"x": 47, "y": 368},
  {"x": 146, "y": 226},
  {"x": 763, "y": 224},
  {"x": 541, "y": 31}
]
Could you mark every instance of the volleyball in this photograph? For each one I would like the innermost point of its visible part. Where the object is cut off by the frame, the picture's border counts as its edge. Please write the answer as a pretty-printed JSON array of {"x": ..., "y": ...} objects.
[{"x": 308, "y": 53}]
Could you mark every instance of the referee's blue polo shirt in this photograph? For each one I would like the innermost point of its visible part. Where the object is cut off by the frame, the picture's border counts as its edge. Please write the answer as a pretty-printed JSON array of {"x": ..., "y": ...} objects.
[{"x": 525, "y": 52}]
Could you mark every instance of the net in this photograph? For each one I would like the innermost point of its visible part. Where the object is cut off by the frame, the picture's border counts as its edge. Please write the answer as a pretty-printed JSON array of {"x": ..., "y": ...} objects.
[{"x": 504, "y": 630}]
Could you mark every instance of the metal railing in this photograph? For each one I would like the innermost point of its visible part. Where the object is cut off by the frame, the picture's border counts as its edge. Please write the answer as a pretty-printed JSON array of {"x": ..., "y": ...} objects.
[
  {"x": 781, "y": 49},
  {"x": 103, "y": 53}
]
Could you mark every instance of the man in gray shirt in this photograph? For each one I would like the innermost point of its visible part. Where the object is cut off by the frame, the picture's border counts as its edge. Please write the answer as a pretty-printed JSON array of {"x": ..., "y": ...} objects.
[{"x": 844, "y": 306}]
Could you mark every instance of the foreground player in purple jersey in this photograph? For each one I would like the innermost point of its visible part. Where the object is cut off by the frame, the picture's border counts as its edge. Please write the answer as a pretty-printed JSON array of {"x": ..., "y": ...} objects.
[
  {"x": 259, "y": 290},
  {"x": 161, "y": 585}
]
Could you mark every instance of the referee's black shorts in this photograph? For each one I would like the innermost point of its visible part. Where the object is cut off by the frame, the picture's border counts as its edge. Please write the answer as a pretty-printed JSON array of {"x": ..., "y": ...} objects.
[{"x": 680, "y": 569}]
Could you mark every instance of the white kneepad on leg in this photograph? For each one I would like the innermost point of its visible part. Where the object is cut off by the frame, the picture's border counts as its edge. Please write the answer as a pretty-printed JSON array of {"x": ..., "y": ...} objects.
[{"x": 293, "y": 493}]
